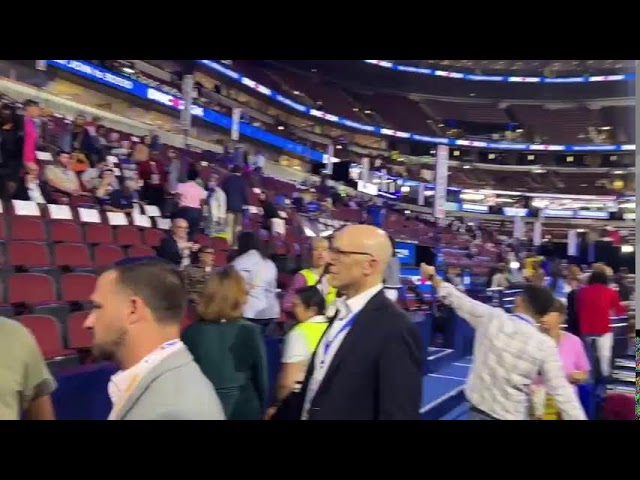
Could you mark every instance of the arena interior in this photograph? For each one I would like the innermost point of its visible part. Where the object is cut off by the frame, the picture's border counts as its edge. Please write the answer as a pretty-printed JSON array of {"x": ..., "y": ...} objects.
[{"x": 498, "y": 172}]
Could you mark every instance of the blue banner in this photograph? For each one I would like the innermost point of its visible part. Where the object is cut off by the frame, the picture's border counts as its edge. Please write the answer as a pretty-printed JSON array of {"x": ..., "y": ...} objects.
[
  {"x": 139, "y": 89},
  {"x": 406, "y": 253}
]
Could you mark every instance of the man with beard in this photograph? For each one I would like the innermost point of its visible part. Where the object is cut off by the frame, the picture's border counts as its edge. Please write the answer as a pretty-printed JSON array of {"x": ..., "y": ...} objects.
[{"x": 137, "y": 310}]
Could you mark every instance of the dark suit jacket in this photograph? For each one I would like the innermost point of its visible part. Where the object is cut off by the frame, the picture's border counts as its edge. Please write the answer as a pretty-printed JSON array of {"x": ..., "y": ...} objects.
[
  {"x": 235, "y": 187},
  {"x": 376, "y": 374},
  {"x": 168, "y": 249}
]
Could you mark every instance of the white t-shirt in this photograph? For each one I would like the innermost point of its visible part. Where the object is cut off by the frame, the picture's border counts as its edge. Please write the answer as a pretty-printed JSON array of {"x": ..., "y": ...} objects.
[{"x": 296, "y": 348}]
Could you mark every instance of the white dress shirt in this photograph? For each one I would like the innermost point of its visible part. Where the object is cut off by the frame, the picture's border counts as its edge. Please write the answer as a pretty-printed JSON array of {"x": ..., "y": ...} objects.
[
  {"x": 261, "y": 276},
  {"x": 334, "y": 335},
  {"x": 509, "y": 353}
]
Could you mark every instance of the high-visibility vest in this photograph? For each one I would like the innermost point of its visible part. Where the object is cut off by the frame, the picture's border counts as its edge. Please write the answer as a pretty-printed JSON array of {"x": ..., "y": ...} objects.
[
  {"x": 312, "y": 279},
  {"x": 312, "y": 332}
]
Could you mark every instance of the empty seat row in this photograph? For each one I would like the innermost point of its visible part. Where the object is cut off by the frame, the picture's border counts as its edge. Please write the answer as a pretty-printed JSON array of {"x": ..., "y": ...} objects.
[
  {"x": 39, "y": 288},
  {"x": 37, "y": 229},
  {"x": 64, "y": 339},
  {"x": 37, "y": 255}
]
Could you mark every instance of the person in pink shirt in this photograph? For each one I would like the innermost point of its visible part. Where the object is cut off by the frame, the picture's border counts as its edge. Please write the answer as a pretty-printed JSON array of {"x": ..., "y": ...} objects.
[
  {"x": 572, "y": 355},
  {"x": 191, "y": 197},
  {"x": 31, "y": 112}
]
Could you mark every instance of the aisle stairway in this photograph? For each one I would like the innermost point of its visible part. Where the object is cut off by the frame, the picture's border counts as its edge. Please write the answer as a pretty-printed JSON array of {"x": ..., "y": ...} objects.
[{"x": 624, "y": 372}]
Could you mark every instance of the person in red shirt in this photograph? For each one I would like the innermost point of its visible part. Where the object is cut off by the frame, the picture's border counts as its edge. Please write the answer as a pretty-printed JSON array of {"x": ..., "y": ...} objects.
[{"x": 595, "y": 303}]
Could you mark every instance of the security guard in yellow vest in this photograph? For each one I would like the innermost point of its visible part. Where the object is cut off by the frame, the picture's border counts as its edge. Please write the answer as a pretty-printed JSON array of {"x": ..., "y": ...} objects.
[
  {"x": 301, "y": 342},
  {"x": 311, "y": 276}
]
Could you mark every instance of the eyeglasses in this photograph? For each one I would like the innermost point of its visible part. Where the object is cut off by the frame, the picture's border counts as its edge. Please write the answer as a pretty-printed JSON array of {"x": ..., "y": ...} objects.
[{"x": 341, "y": 253}]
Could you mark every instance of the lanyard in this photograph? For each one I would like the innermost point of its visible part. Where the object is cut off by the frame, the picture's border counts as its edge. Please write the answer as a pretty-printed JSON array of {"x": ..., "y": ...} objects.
[
  {"x": 329, "y": 342},
  {"x": 139, "y": 374},
  {"x": 523, "y": 318}
]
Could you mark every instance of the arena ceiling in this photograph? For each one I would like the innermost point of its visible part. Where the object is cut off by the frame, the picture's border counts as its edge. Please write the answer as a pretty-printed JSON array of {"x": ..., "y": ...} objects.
[
  {"x": 527, "y": 67},
  {"x": 359, "y": 75}
]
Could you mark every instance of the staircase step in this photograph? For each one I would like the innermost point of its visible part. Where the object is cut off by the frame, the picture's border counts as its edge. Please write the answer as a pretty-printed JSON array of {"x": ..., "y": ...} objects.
[
  {"x": 625, "y": 363},
  {"x": 624, "y": 376},
  {"x": 622, "y": 388}
]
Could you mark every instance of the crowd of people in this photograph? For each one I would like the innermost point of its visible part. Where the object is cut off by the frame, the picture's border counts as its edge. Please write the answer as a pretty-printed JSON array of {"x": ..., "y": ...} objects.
[
  {"x": 349, "y": 352},
  {"x": 589, "y": 298}
]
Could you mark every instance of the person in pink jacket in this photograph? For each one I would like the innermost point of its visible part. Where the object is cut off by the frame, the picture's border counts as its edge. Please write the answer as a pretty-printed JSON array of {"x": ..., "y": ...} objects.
[{"x": 31, "y": 112}]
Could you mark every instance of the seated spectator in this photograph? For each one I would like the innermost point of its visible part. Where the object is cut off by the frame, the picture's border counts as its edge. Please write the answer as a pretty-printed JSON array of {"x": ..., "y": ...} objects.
[
  {"x": 105, "y": 185},
  {"x": 91, "y": 177},
  {"x": 191, "y": 197},
  {"x": 80, "y": 163},
  {"x": 261, "y": 275},
  {"x": 176, "y": 247},
  {"x": 61, "y": 177},
  {"x": 228, "y": 349},
  {"x": 301, "y": 342},
  {"x": 195, "y": 276},
  {"x": 31, "y": 188},
  {"x": 121, "y": 199}
]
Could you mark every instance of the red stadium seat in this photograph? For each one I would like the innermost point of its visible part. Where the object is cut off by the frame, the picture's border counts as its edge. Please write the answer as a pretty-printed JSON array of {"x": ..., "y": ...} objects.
[
  {"x": 153, "y": 236},
  {"x": 28, "y": 228},
  {"x": 106, "y": 255},
  {"x": 46, "y": 331},
  {"x": 77, "y": 287},
  {"x": 78, "y": 337},
  {"x": 73, "y": 255},
  {"x": 65, "y": 231},
  {"x": 128, "y": 235},
  {"x": 96, "y": 233}
]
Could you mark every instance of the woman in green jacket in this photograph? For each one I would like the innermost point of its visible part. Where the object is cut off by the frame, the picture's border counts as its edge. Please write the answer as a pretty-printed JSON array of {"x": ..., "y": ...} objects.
[{"x": 229, "y": 350}]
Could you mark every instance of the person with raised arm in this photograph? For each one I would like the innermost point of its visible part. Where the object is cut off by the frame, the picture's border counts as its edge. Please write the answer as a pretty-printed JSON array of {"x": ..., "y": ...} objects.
[{"x": 510, "y": 352}]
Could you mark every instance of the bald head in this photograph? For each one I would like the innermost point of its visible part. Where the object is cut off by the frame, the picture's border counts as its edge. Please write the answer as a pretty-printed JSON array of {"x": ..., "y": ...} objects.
[
  {"x": 180, "y": 222},
  {"x": 359, "y": 256},
  {"x": 371, "y": 240},
  {"x": 180, "y": 229}
]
